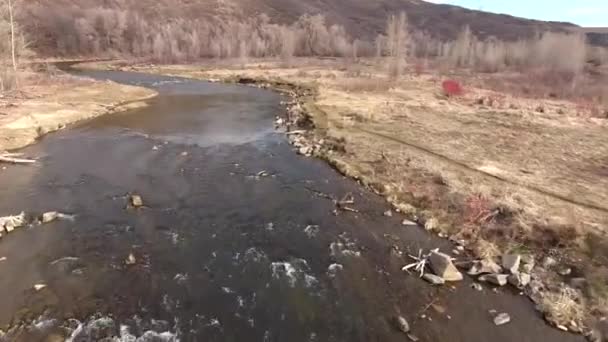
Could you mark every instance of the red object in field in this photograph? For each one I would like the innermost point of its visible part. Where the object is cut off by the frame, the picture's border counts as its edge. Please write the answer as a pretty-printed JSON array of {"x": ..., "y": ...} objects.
[{"x": 451, "y": 88}]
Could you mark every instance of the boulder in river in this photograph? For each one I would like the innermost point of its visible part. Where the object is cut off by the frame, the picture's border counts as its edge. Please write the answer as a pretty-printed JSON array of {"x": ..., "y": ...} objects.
[
  {"x": 136, "y": 201},
  {"x": 402, "y": 324},
  {"x": 131, "y": 259},
  {"x": 49, "y": 216},
  {"x": 442, "y": 266},
  {"x": 10, "y": 223}
]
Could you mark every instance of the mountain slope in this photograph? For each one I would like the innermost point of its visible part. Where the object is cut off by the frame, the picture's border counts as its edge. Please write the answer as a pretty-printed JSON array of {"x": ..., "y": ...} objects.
[{"x": 361, "y": 18}]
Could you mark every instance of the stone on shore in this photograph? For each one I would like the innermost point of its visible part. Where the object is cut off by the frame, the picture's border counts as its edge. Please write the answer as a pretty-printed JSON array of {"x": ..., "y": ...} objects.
[
  {"x": 484, "y": 266},
  {"x": 442, "y": 266},
  {"x": 519, "y": 280},
  {"x": 511, "y": 262}
]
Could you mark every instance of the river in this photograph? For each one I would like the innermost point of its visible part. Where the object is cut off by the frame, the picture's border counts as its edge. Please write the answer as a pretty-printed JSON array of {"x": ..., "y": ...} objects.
[{"x": 237, "y": 240}]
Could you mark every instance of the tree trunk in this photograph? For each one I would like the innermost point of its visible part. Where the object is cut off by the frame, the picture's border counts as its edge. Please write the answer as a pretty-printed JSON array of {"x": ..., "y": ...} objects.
[{"x": 13, "y": 55}]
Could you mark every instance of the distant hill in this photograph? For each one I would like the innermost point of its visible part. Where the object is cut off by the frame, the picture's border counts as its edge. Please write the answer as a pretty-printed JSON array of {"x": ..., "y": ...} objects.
[
  {"x": 360, "y": 17},
  {"x": 597, "y": 35}
]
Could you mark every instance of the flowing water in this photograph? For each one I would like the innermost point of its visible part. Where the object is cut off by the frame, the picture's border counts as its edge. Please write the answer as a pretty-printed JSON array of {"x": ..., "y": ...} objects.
[{"x": 237, "y": 240}]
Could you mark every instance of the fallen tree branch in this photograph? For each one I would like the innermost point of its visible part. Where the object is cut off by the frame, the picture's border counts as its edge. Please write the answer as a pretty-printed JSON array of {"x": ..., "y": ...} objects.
[{"x": 6, "y": 158}]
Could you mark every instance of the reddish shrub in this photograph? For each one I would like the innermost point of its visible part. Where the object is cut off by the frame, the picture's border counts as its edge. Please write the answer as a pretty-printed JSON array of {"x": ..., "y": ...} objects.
[{"x": 451, "y": 88}]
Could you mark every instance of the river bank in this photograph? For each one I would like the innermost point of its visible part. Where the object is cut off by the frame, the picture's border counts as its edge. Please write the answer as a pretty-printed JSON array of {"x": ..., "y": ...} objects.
[
  {"x": 58, "y": 101},
  {"x": 233, "y": 235},
  {"x": 487, "y": 173}
]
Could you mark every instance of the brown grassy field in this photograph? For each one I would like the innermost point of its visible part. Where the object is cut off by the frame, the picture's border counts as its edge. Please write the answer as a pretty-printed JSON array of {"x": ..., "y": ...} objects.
[
  {"x": 501, "y": 172},
  {"x": 45, "y": 103}
]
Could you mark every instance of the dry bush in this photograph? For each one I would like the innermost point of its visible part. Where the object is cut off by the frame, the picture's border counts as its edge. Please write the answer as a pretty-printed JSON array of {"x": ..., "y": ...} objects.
[
  {"x": 560, "y": 53},
  {"x": 359, "y": 84},
  {"x": 563, "y": 307}
]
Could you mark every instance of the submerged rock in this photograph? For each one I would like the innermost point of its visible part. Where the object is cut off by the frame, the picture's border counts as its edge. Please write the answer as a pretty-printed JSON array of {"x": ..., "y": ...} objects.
[
  {"x": 433, "y": 279},
  {"x": 402, "y": 324},
  {"x": 39, "y": 287},
  {"x": 477, "y": 287},
  {"x": 502, "y": 319},
  {"x": 496, "y": 279},
  {"x": 442, "y": 266},
  {"x": 333, "y": 270},
  {"x": 131, "y": 259},
  {"x": 66, "y": 265}
]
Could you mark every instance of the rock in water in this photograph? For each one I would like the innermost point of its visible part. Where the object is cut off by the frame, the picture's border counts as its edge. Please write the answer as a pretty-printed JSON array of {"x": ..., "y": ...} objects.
[
  {"x": 402, "y": 324},
  {"x": 136, "y": 201},
  {"x": 39, "y": 287},
  {"x": 49, "y": 216},
  {"x": 442, "y": 266},
  {"x": 502, "y": 319},
  {"x": 484, "y": 266},
  {"x": 519, "y": 280},
  {"x": 131, "y": 259},
  {"x": 496, "y": 279},
  {"x": 433, "y": 279},
  {"x": 10, "y": 223},
  {"x": 510, "y": 262}
]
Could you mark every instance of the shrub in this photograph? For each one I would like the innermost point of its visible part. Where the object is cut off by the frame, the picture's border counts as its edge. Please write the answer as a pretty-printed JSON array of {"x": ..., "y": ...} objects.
[{"x": 451, "y": 88}]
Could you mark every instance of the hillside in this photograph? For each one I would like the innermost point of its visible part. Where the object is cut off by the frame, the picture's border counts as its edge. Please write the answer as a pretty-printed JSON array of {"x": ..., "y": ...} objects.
[
  {"x": 597, "y": 35},
  {"x": 361, "y": 18}
]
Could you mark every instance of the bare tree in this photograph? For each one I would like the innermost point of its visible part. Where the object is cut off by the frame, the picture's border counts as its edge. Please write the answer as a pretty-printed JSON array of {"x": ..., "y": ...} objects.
[
  {"x": 13, "y": 48},
  {"x": 397, "y": 35}
]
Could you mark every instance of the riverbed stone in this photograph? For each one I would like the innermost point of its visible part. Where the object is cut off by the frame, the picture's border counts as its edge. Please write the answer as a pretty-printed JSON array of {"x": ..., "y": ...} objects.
[
  {"x": 442, "y": 266},
  {"x": 136, "y": 201},
  {"x": 402, "y": 324},
  {"x": 511, "y": 262},
  {"x": 131, "y": 259},
  {"x": 484, "y": 266},
  {"x": 502, "y": 319},
  {"x": 433, "y": 279},
  {"x": 66, "y": 265},
  {"x": 49, "y": 216},
  {"x": 519, "y": 280},
  {"x": 496, "y": 279}
]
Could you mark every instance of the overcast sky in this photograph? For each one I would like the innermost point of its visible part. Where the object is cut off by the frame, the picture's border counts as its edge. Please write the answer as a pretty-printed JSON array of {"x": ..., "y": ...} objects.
[{"x": 591, "y": 13}]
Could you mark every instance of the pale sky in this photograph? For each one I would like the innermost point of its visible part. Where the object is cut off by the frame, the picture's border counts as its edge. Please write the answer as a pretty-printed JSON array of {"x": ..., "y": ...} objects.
[{"x": 588, "y": 13}]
